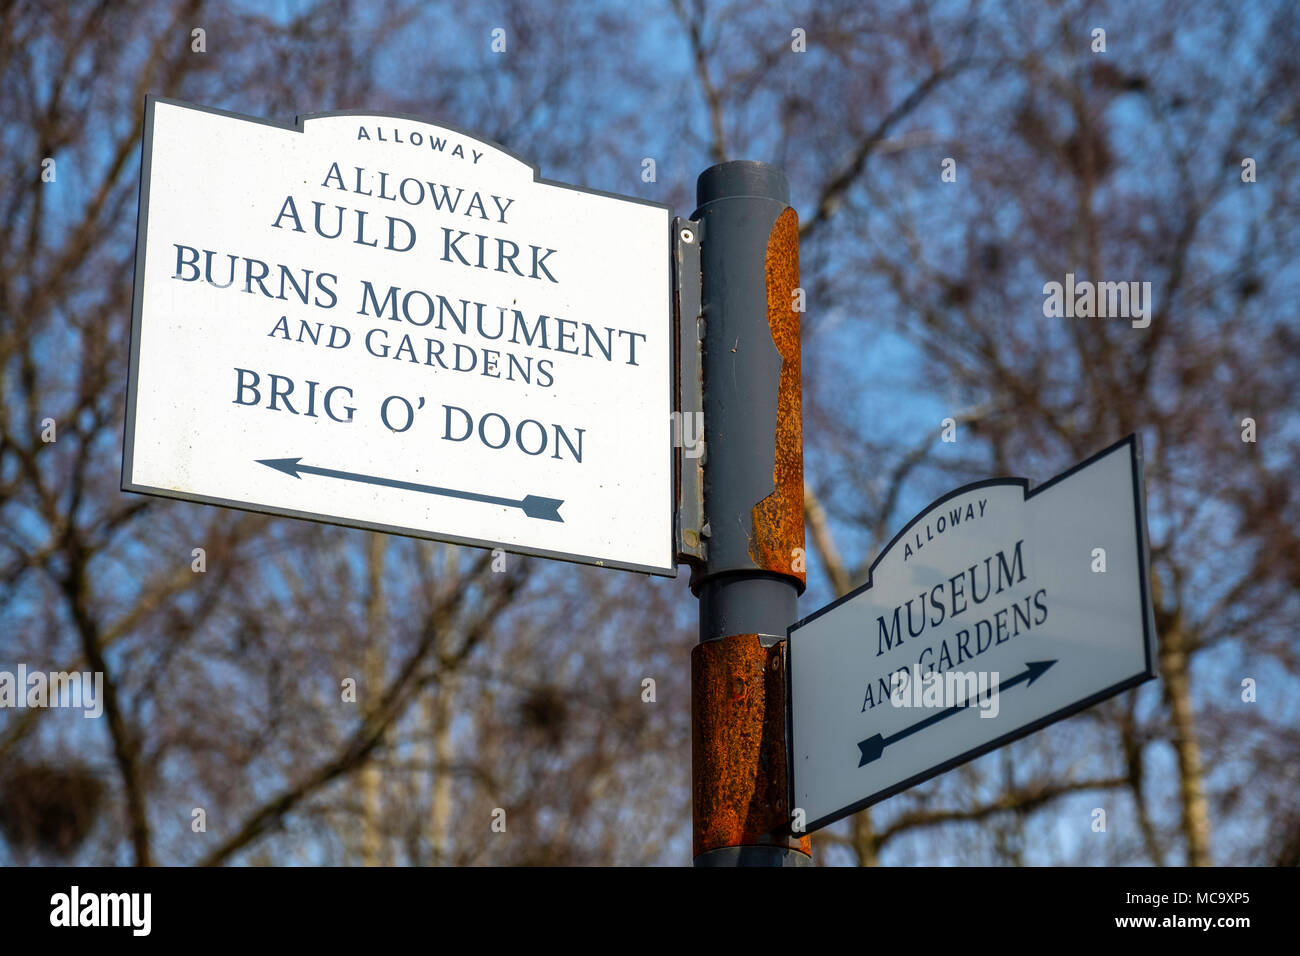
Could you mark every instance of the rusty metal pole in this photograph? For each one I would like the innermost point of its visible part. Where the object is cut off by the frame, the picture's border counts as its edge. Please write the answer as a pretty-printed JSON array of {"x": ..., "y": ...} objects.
[{"x": 753, "y": 503}]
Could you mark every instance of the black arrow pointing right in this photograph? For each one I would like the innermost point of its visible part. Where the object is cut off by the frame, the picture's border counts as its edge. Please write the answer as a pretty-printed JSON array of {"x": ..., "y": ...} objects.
[{"x": 874, "y": 746}]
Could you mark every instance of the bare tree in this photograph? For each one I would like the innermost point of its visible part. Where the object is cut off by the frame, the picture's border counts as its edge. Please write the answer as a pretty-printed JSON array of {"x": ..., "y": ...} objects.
[{"x": 318, "y": 694}]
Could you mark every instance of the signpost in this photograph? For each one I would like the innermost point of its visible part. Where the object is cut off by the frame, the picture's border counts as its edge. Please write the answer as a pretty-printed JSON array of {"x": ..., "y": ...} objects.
[
  {"x": 379, "y": 322},
  {"x": 374, "y": 321},
  {"x": 994, "y": 612},
  {"x": 753, "y": 567}
]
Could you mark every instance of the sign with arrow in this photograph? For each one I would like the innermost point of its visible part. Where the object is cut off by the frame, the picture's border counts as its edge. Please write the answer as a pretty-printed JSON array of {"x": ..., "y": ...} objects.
[
  {"x": 375, "y": 321},
  {"x": 996, "y": 611}
]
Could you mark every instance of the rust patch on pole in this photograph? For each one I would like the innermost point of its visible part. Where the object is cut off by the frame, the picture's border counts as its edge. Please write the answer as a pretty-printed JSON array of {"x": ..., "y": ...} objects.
[
  {"x": 738, "y": 745},
  {"x": 778, "y": 542}
]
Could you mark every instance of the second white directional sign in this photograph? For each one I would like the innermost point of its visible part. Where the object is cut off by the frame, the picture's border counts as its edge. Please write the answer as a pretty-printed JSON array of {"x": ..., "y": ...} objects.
[
  {"x": 377, "y": 321},
  {"x": 996, "y": 611}
]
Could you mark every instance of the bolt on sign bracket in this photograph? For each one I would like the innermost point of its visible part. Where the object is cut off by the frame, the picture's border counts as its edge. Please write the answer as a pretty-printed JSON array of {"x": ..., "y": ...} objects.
[{"x": 690, "y": 528}]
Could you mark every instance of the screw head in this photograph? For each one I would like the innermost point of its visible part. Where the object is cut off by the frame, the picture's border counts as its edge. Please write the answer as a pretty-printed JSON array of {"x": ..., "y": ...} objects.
[{"x": 687, "y": 236}]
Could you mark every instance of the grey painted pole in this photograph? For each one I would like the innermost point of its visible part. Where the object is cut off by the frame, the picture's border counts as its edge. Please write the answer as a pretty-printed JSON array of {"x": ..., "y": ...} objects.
[{"x": 753, "y": 503}]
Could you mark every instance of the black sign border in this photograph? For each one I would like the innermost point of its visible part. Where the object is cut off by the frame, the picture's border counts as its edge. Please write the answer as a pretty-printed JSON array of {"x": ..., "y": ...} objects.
[
  {"x": 1134, "y": 443},
  {"x": 297, "y": 125}
]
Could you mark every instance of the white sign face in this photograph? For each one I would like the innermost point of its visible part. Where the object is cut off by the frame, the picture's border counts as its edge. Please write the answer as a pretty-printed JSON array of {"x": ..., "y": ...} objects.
[
  {"x": 993, "y": 613},
  {"x": 374, "y": 321}
]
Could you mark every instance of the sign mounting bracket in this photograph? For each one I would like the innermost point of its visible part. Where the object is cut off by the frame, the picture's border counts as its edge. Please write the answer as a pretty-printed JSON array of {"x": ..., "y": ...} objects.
[{"x": 691, "y": 528}]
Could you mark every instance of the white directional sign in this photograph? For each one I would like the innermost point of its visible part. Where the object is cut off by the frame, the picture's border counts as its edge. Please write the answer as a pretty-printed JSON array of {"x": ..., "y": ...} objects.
[
  {"x": 375, "y": 321},
  {"x": 994, "y": 612}
]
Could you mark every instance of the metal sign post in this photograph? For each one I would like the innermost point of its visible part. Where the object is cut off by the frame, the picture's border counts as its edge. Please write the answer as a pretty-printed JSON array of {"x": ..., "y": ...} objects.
[
  {"x": 386, "y": 377},
  {"x": 752, "y": 567}
]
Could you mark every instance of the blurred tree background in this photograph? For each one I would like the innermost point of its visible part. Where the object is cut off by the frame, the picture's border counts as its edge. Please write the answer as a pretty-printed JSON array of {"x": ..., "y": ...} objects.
[{"x": 523, "y": 690}]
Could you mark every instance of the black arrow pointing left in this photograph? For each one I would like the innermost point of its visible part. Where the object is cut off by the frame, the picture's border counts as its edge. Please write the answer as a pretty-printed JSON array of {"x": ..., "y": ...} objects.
[
  {"x": 874, "y": 746},
  {"x": 534, "y": 506}
]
